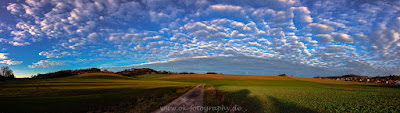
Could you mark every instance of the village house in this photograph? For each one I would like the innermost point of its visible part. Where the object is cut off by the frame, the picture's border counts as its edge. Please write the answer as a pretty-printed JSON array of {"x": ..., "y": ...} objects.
[{"x": 391, "y": 79}]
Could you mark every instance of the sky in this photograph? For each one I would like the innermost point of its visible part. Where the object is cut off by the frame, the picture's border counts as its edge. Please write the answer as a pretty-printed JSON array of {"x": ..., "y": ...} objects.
[{"x": 260, "y": 37}]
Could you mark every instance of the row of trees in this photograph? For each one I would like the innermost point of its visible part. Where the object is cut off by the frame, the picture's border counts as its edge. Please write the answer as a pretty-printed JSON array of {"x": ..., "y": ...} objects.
[
  {"x": 6, "y": 73},
  {"x": 65, "y": 73},
  {"x": 142, "y": 71}
]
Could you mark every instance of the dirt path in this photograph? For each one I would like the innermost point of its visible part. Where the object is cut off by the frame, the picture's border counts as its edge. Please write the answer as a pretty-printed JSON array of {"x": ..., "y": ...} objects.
[{"x": 190, "y": 102}]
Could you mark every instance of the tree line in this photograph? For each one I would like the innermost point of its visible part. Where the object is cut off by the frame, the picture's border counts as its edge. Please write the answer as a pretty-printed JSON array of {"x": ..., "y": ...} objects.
[
  {"x": 65, "y": 73},
  {"x": 7, "y": 74}
]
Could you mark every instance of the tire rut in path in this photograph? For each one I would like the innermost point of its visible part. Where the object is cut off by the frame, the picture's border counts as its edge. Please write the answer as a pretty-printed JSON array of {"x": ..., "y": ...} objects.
[{"x": 190, "y": 102}]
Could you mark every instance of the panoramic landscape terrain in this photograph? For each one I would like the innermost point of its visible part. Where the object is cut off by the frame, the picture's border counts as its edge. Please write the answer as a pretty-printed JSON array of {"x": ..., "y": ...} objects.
[
  {"x": 146, "y": 90},
  {"x": 199, "y": 56}
]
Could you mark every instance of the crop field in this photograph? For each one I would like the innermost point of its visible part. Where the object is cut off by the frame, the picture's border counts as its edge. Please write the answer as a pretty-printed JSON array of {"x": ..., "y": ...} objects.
[
  {"x": 102, "y": 92},
  {"x": 295, "y": 94},
  {"x": 94, "y": 92}
]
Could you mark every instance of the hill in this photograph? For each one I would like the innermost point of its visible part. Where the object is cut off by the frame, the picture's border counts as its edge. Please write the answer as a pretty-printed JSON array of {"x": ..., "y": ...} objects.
[
  {"x": 101, "y": 76},
  {"x": 132, "y": 72},
  {"x": 102, "y": 92}
]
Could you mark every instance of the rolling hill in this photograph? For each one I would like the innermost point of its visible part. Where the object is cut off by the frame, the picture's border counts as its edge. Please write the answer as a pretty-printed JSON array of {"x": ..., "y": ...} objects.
[{"x": 106, "y": 92}]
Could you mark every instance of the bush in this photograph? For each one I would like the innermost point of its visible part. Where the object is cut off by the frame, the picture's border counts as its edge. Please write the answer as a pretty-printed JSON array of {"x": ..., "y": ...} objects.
[{"x": 282, "y": 75}]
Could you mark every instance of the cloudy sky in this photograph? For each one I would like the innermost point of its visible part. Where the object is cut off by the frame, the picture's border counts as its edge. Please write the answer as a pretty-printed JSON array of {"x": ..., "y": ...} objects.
[{"x": 262, "y": 37}]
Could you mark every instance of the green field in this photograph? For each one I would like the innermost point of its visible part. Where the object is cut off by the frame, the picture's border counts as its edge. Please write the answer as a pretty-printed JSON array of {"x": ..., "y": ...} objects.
[
  {"x": 299, "y": 96},
  {"x": 100, "y": 92},
  {"x": 95, "y": 92}
]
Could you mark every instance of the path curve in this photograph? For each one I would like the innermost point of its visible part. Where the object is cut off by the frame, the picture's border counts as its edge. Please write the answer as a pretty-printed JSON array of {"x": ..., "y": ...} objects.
[{"x": 190, "y": 102}]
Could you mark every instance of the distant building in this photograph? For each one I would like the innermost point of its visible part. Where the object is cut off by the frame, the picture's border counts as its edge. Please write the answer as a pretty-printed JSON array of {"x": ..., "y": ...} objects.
[{"x": 391, "y": 79}]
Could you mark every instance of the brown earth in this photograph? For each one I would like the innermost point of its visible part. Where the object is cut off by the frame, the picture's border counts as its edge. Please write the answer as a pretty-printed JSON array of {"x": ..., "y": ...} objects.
[
  {"x": 260, "y": 77},
  {"x": 222, "y": 76}
]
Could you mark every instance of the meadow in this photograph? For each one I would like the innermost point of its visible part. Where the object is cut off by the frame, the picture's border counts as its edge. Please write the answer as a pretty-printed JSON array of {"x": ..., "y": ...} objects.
[
  {"x": 102, "y": 92},
  {"x": 93, "y": 92},
  {"x": 294, "y": 94}
]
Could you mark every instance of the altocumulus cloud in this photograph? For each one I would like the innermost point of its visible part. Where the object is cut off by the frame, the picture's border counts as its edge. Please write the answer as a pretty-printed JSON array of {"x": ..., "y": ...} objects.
[
  {"x": 4, "y": 60},
  {"x": 327, "y": 37},
  {"x": 45, "y": 64},
  {"x": 253, "y": 66}
]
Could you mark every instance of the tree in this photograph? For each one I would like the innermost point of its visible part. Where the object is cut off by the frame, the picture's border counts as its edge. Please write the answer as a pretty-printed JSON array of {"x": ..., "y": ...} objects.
[{"x": 6, "y": 72}]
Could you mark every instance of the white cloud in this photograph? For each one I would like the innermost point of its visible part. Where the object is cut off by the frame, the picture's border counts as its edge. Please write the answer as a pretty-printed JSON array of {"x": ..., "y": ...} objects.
[
  {"x": 3, "y": 56},
  {"x": 201, "y": 31},
  {"x": 324, "y": 38},
  {"x": 223, "y": 11},
  {"x": 132, "y": 36},
  {"x": 19, "y": 43},
  {"x": 153, "y": 38},
  {"x": 341, "y": 37},
  {"x": 225, "y": 8},
  {"x": 196, "y": 26},
  {"x": 302, "y": 15},
  {"x": 384, "y": 40},
  {"x": 10, "y": 62},
  {"x": 338, "y": 37},
  {"x": 321, "y": 28},
  {"x": 273, "y": 4},
  {"x": 370, "y": 8},
  {"x": 332, "y": 23},
  {"x": 158, "y": 16},
  {"x": 275, "y": 18},
  {"x": 57, "y": 54},
  {"x": 3, "y": 40},
  {"x": 14, "y": 8},
  {"x": 114, "y": 38},
  {"x": 4, "y": 59},
  {"x": 45, "y": 64}
]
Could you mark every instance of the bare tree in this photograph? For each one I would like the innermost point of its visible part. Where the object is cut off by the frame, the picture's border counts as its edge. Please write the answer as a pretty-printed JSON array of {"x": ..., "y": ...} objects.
[{"x": 6, "y": 72}]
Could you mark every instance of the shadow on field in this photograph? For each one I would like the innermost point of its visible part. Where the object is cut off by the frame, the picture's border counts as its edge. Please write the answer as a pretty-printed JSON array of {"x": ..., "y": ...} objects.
[
  {"x": 238, "y": 102},
  {"x": 288, "y": 107},
  {"x": 93, "y": 100}
]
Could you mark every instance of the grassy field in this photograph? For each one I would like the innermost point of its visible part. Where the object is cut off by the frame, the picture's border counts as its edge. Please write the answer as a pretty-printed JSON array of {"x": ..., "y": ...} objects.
[
  {"x": 100, "y": 92},
  {"x": 94, "y": 92},
  {"x": 294, "y": 94}
]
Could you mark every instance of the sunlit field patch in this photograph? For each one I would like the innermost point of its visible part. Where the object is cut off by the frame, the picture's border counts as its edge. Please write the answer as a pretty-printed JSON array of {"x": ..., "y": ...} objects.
[{"x": 298, "y": 95}]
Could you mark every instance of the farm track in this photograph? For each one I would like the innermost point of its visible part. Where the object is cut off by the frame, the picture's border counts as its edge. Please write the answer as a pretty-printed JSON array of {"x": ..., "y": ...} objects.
[{"x": 190, "y": 102}]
